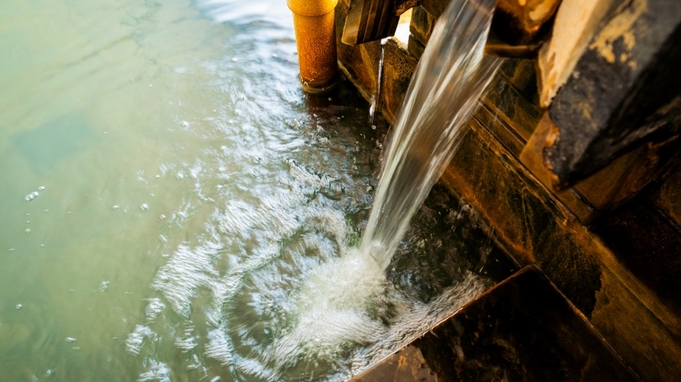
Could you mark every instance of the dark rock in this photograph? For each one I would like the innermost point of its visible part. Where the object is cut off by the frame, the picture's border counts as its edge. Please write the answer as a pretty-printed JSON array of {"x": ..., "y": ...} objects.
[{"x": 625, "y": 91}]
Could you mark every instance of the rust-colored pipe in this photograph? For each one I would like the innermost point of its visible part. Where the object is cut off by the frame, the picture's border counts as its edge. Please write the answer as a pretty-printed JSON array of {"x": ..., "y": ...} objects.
[{"x": 313, "y": 21}]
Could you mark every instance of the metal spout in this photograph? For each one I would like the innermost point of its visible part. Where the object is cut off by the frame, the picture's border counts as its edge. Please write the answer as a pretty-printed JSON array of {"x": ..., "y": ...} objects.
[{"x": 313, "y": 21}]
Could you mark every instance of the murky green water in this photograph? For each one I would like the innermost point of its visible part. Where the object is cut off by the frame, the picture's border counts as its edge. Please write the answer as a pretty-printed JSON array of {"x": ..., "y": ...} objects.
[{"x": 174, "y": 208}]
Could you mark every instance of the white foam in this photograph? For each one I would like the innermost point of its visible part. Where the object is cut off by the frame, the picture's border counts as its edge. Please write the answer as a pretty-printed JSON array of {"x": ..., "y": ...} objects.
[
  {"x": 158, "y": 371},
  {"x": 220, "y": 347},
  {"x": 135, "y": 340},
  {"x": 302, "y": 296},
  {"x": 187, "y": 342},
  {"x": 186, "y": 271},
  {"x": 154, "y": 307}
]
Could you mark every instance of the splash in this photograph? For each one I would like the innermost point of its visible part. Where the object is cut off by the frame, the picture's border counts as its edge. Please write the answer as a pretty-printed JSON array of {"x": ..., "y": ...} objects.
[{"x": 275, "y": 287}]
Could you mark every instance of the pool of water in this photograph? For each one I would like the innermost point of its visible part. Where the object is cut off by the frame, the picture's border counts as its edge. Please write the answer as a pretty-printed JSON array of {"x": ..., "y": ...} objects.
[{"x": 173, "y": 207}]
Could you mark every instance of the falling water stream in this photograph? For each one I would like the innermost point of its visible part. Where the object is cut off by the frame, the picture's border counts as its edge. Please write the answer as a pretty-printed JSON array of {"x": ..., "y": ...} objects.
[
  {"x": 376, "y": 97},
  {"x": 449, "y": 79},
  {"x": 174, "y": 208}
]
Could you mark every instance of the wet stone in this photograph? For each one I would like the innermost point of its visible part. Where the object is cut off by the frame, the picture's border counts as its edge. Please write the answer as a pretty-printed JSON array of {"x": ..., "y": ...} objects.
[
  {"x": 524, "y": 216},
  {"x": 415, "y": 48},
  {"x": 522, "y": 75},
  {"x": 422, "y": 24},
  {"x": 536, "y": 229},
  {"x": 509, "y": 105},
  {"x": 426, "y": 264},
  {"x": 649, "y": 245},
  {"x": 668, "y": 197},
  {"x": 434, "y": 7},
  {"x": 521, "y": 330}
]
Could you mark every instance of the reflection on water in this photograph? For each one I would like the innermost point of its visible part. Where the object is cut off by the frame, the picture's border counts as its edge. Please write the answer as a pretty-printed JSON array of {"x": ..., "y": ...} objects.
[
  {"x": 47, "y": 145},
  {"x": 172, "y": 207}
]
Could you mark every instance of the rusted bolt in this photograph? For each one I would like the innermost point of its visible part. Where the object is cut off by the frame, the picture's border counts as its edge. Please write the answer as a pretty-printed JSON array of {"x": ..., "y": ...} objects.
[{"x": 313, "y": 21}]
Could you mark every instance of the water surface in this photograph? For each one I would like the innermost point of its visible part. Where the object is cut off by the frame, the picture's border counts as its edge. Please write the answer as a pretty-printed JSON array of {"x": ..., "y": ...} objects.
[{"x": 172, "y": 207}]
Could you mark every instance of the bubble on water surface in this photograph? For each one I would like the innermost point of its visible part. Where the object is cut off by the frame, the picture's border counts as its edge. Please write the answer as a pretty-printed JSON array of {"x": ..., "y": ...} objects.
[
  {"x": 194, "y": 365},
  {"x": 71, "y": 339},
  {"x": 154, "y": 307},
  {"x": 31, "y": 196},
  {"x": 18, "y": 306},
  {"x": 144, "y": 207},
  {"x": 188, "y": 341},
  {"x": 158, "y": 371},
  {"x": 103, "y": 286}
]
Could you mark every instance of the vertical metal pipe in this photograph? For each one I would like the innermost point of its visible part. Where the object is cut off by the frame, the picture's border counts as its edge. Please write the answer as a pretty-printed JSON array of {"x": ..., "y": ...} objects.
[{"x": 313, "y": 21}]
